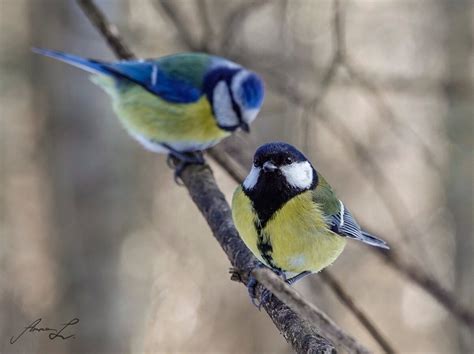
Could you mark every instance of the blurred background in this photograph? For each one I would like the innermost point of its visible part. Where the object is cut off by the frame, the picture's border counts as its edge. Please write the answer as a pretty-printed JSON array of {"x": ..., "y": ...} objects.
[{"x": 379, "y": 94}]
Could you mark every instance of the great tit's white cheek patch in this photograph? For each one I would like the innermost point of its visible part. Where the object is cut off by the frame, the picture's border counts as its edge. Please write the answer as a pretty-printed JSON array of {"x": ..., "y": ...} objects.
[
  {"x": 298, "y": 174},
  {"x": 225, "y": 115},
  {"x": 252, "y": 178}
]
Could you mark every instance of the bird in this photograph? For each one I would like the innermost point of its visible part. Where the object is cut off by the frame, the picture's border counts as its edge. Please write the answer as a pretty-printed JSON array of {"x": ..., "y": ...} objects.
[
  {"x": 177, "y": 104},
  {"x": 289, "y": 216}
]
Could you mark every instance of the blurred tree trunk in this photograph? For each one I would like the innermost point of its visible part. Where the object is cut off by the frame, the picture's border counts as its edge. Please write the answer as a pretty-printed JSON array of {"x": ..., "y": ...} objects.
[
  {"x": 98, "y": 189},
  {"x": 459, "y": 124}
]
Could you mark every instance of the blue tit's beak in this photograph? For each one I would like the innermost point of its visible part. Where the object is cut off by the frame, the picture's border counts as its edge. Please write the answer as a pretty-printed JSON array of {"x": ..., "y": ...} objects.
[
  {"x": 269, "y": 167},
  {"x": 245, "y": 127}
]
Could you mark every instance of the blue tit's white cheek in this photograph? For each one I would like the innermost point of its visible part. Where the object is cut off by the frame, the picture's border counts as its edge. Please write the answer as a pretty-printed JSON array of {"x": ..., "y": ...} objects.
[
  {"x": 298, "y": 174},
  {"x": 252, "y": 178},
  {"x": 249, "y": 102},
  {"x": 222, "y": 105},
  {"x": 248, "y": 114}
]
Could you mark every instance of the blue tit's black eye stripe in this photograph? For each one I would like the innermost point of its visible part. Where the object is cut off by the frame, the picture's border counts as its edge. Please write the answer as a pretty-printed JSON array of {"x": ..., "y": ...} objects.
[{"x": 211, "y": 80}]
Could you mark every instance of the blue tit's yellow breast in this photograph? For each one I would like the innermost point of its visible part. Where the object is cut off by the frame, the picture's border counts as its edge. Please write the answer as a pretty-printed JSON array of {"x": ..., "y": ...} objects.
[
  {"x": 297, "y": 237},
  {"x": 152, "y": 117}
]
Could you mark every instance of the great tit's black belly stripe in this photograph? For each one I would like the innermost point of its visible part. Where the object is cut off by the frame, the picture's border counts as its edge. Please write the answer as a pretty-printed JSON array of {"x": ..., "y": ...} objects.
[{"x": 265, "y": 247}]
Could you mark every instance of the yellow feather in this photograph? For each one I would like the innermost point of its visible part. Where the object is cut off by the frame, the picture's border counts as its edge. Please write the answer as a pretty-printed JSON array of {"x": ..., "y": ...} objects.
[
  {"x": 154, "y": 118},
  {"x": 244, "y": 218},
  {"x": 298, "y": 233}
]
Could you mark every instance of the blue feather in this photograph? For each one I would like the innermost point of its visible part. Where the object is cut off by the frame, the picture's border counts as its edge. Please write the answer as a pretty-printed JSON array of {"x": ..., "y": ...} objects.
[
  {"x": 90, "y": 65},
  {"x": 147, "y": 74}
]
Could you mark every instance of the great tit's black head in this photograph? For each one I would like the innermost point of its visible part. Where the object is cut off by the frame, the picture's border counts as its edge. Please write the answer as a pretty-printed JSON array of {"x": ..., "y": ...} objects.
[
  {"x": 279, "y": 172},
  {"x": 281, "y": 167}
]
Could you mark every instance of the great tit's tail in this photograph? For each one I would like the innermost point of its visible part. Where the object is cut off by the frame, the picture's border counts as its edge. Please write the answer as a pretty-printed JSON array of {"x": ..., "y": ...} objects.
[
  {"x": 90, "y": 65},
  {"x": 373, "y": 241}
]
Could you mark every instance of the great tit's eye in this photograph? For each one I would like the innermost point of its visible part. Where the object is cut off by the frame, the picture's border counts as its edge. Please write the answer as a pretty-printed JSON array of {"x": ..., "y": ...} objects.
[{"x": 288, "y": 160}]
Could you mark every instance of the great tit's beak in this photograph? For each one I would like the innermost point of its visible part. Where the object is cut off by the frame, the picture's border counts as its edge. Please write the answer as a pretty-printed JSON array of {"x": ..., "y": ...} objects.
[
  {"x": 245, "y": 127},
  {"x": 269, "y": 167}
]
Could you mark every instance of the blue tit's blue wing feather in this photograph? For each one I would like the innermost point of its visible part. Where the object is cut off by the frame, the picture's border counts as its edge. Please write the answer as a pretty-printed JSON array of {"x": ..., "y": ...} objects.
[
  {"x": 155, "y": 77},
  {"x": 176, "y": 78},
  {"x": 344, "y": 224}
]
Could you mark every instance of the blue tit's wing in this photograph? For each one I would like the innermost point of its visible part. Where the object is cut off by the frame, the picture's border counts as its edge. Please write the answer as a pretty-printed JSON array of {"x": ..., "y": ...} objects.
[
  {"x": 176, "y": 78},
  {"x": 338, "y": 217}
]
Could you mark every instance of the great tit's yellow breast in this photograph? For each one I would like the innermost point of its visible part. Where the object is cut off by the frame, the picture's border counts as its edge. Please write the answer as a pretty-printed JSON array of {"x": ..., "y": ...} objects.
[
  {"x": 148, "y": 115},
  {"x": 300, "y": 238},
  {"x": 244, "y": 219}
]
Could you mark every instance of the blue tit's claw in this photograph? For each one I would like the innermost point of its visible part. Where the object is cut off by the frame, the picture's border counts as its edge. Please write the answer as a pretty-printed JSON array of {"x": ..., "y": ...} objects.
[
  {"x": 170, "y": 162},
  {"x": 180, "y": 160}
]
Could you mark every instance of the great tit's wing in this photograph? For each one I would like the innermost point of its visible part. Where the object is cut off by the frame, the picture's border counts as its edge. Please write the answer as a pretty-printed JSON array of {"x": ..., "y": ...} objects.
[
  {"x": 176, "y": 78},
  {"x": 338, "y": 217},
  {"x": 344, "y": 224}
]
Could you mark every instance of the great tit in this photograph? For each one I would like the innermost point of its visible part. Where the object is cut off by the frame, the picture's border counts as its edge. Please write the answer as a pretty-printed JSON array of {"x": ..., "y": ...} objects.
[
  {"x": 179, "y": 103},
  {"x": 289, "y": 216}
]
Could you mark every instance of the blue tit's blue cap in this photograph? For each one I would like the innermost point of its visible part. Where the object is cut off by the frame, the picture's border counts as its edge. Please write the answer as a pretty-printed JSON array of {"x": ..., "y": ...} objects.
[
  {"x": 278, "y": 152},
  {"x": 252, "y": 91}
]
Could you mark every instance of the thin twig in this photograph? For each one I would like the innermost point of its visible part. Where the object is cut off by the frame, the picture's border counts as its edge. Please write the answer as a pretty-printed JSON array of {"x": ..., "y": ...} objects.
[
  {"x": 412, "y": 272},
  {"x": 208, "y": 35},
  {"x": 387, "y": 114},
  {"x": 339, "y": 50},
  {"x": 234, "y": 22},
  {"x": 108, "y": 30},
  {"x": 347, "y": 300},
  {"x": 201, "y": 185},
  {"x": 169, "y": 9}
]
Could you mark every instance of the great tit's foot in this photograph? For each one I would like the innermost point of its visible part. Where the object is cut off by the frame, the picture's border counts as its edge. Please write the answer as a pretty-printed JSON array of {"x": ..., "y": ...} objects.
[
  {"x": 266, "y": 294},
  {"x": 297, "y": 277}
]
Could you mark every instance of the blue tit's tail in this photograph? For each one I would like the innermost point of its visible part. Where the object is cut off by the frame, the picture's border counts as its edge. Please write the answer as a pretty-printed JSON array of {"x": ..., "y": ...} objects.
[
  {"x": 90, "y": 65},
  {"x": 373, "y": 241}
]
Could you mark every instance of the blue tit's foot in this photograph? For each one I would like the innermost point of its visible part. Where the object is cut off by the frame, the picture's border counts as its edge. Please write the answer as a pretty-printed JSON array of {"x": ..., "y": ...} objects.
[{"x": 180, "y": 160}]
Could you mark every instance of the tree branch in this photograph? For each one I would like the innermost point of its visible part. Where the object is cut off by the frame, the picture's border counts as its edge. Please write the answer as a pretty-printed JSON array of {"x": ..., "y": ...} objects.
[
  {"x": 303, "y": 336},
  {"x": 170, "y": 11},
  {"x": 339, "y": 49},
  {"x": 106, "y": 29}
]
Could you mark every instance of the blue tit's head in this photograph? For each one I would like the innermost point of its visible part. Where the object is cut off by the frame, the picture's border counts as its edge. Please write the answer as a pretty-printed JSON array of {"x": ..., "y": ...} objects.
[{"x": 236, "y": 95}]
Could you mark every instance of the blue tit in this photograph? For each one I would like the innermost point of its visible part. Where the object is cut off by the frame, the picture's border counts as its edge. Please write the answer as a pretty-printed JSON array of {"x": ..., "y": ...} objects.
[
  {"x": 179, "y": 103},
  {"x": 289, "y": 216}
]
